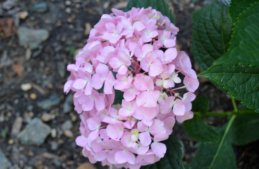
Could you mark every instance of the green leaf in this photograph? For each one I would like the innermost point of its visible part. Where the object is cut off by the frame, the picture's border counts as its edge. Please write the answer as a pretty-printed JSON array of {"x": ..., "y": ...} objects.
[
  {"x": 245, "y": 129},
  {"x": 239, "y": 6},
  {"x": 241, "y": 81},
  {"x": 211, "y": 34},
  {"x": 196, "y": 127},
  {"x": 215, "y": 155},
  {"x": 159, "y": 5},
  {"x": 172, "y": 158},
  {"x": 245, "y": 41},
  {"x": 200, "y": 131},
  {"x": 225, "y": 158},
  {"x": 201, "y": 105}
]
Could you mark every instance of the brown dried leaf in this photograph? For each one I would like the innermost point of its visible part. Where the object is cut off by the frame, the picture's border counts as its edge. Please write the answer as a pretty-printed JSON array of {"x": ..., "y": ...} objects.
[
  {"x": 17, "y": 68},
  {"x": 7, "y": 27},
  {"x": 86, "y": 166}
]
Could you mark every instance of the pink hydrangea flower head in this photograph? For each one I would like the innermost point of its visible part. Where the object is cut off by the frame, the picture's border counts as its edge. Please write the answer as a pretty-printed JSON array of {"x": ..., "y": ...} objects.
[{"x": 132, "y": 52}]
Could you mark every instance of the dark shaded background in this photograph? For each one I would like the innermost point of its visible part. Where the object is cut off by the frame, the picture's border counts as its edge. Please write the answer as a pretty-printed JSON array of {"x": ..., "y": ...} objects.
[{"x": 43, "y": 69}]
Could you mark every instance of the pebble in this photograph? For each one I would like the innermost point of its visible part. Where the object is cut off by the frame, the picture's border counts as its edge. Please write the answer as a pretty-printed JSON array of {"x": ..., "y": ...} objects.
[
  {"x": 32, "y": 37},
  {"x": 16, "y": 126},
  {"x": 68, "y": 133},
  {"x": 57, "y": 162},
  {"x": 11, "y": 141},
  {"x": 49, "y": 103},
  {"x": 33, "y": 96},
  {"x": 73, "y": 117},
  {"x": 86, "y": 166},
  {"x": 23, "y": 14},
  {"x": 61, "y": 69},
  {"x": 26, "y": 86},
  {"x": 66, "y": 125},
  {"x": 47, "y": 117},
  {"x": 54, "y": 146},
  {"x": 34, "y": 133},
  {"x": 40, "y": 7},
  {"x": 53, "y": 133},
  {"x": 5, "y": 163},
  {"x": 68, "y": 10},
  {"x": 88, "y": 28},
  {"x": 67, "y": 106},
  {"x": 68, "y": 2}
]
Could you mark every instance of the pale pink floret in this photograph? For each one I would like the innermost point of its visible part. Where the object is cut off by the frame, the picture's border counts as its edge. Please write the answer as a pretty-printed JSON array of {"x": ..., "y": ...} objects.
[
  {"x": 103, "y": 75},
  {"x": 131, "y": 54}
]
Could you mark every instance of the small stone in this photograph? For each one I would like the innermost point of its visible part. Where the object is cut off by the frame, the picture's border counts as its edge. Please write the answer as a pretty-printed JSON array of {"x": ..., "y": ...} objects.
[
  {"x": 33, "y": 96},
  {"x": 53, "y": 133},
  {"x": 57, "y": 162},
  {"x": 66, "y": 125},
  {"x": 68, "y": 2},
  {"x": 23, "y": 14},
  {"x": 54, "y": 146},
  {"x": 47, "y": 117},
  {"x": 49, "y": 103},
  {"x": 32, "y": 37},
  {"x": 5, "y": 163},
  {"x": 40, "y": 7},
  {"x": 68, "y": 10},
  {"x": 61, "y": 69},
  {"x": 86, "y": 166},
  {"x": 67, "y": 106},
  {"x": 34, "y": 133},
  {"x": 68, "y": 133},
  {"x": 73, "y": 117},
  {"x": 1, "y": 118},
  {"x": 26, "y": 86},
  {"x": 11, "y": 142},
  {"x": 88, "y": 28},
  {"x": 16, "y": 126}
]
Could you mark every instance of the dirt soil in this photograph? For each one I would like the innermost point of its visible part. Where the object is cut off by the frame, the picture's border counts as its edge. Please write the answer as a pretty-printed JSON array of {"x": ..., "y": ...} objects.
[{"x": 44, "y": 68}]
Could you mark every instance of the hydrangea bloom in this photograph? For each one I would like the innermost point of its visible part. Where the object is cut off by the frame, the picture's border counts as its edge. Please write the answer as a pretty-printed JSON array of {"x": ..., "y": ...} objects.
[{"x": 133, "y": 52}]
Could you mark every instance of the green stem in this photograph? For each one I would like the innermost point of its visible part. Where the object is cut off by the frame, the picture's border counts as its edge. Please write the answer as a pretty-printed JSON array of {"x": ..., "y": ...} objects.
[
  {"x": 234, "y": 104},
  {"x": 228, "y": 113},
  {"x": 223, "y": 138}
]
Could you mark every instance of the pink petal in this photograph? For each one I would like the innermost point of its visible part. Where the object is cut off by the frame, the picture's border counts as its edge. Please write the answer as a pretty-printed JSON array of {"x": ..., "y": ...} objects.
[
  {"x": 102, "y": 69},
  {"x": 81, "y": 141},
  {"x": 186, "y": 116},
  {"x": 115, "y": 131},
  {"x": 156, "y": 68},
  {"x": 124, "y": 156},
  {"x": 115, "y": 63},
  {"x": 93, "y": 124},
  {"x": 170, "y": 54},
  {"x": 89, "y": 105},
  {"x": 99, "y": 103},
  {"x": 166, "y": 105},
  {"x": 100, "y": 156},
  {"x": 189, "y": 97},
  {"x": 93, "y": 135},
  {"x": 142, "y": 149},
  {"x": 68, "y": 86},
  {"x": 139, "y": 26},
  {"x": 169, "y": 124},
  {"x": 145, "y": 138},
  {"x": 97, "y": 81},
  {"x": 79, "y": 84},
  {"x": 191, "y": 84},
  {"x": 179, "y": 108},
  {"x": 169, "y": 43},
  {"x": 159, "y": 149},
  {"x": 123, "y": 70}
]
